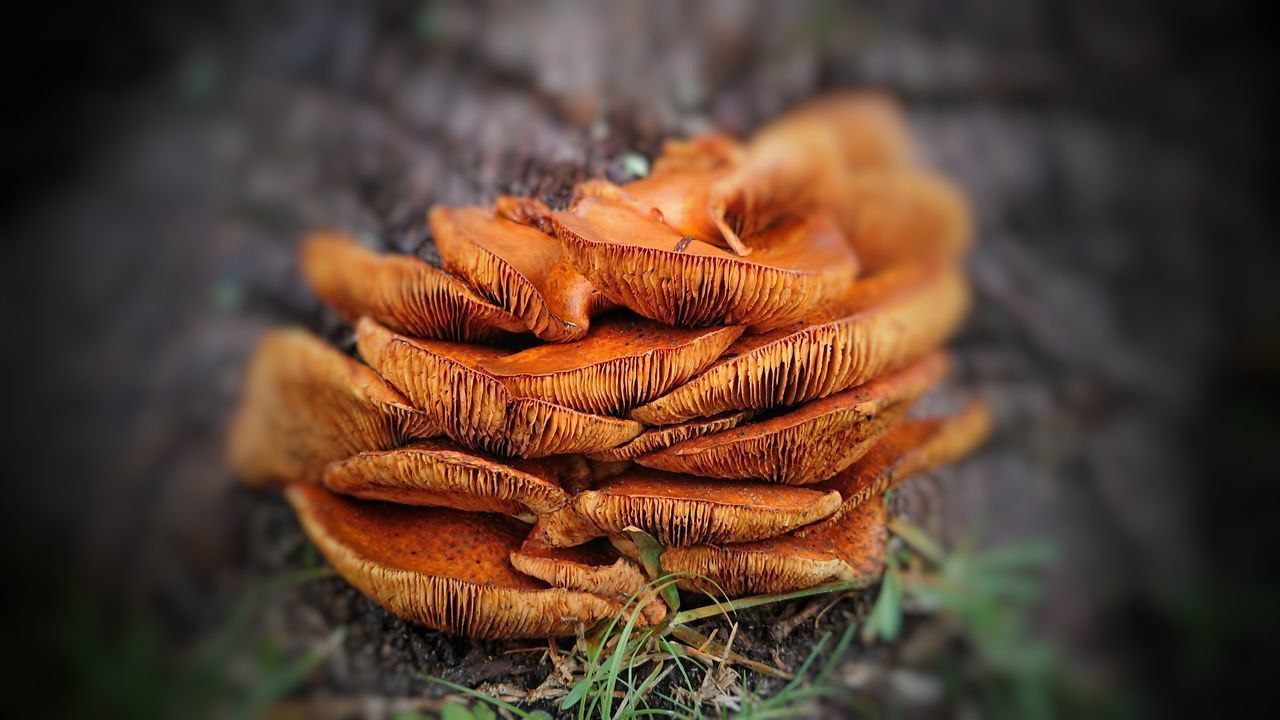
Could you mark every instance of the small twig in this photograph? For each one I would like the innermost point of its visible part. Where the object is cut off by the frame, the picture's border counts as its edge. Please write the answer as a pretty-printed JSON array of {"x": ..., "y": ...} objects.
[
  {"x": 784, "y": 628},
  {"x": 713, "y": 651}
]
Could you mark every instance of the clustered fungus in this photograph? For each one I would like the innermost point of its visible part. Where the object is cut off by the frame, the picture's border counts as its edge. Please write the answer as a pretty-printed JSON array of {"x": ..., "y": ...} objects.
[{"x": 723, "y": 356}]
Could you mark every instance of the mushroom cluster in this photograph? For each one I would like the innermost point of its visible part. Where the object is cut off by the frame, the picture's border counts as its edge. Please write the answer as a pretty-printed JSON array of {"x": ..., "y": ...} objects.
[{"x": 722, "y": 354}]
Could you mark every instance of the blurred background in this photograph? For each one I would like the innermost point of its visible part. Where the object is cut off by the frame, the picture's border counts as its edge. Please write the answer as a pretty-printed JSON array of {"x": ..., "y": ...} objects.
[{"x": 161, "y": 163}]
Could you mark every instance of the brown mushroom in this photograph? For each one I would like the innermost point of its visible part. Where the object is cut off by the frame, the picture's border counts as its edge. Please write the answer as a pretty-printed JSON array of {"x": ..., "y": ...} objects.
[
  {"x": 657, "y": 438},
  {"x": 399, "y": 291},
  {"x": 910, "y": 447},
  {"x": 810, "y": 443},
  {"x": 638, "y": 262},
  {"x": 892, "y": 218},
  {"x": 624, "y": 361},
  {"x": 685, "y": 510},
  {"x": 443, "y": 568},
  {"x": 519, "y": 268},
  {"x": 593, "y": 567},
  {"x": 795, "y": 165},
  {"x": 910, "y": 312},
  {"x": 441, "y": 474},
  {"x": 474, "y": 408},
  {"x": 306, "y": 404}
]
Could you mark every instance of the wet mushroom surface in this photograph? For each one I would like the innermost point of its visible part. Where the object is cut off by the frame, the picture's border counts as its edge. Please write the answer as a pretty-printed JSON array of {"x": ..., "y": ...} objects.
[{"x": 717, "y": 363}]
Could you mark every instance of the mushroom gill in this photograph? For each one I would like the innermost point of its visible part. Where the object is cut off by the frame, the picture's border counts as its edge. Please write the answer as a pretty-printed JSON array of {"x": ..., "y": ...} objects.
[
  {"x": 519, "y": 268},
  {"x": 654, "y": 439},
  {"x": 910, "y": 313},
  {"x": 622, "y": 362},
  {"x": 849, "y": 550},
  {"x": 849, "y": 544},
  {"x": 441, "y": 474},
  {"x": 399, "y": 291},
  {"x": 810, "y": 443},
  {"x": 593, "y": 567},
  {"x": 306, "y": 404},
  {"x": 911, "y": 447},
  {"x": 685, "y": 510},
  {"x": 443, "y": 568},
  {"x": 637, "y": 261},
  {"x": 474, "y": 408}
]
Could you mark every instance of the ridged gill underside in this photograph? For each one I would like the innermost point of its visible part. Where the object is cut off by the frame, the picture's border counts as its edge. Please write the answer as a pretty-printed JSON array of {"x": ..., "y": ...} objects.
[
  {"x": 621, "y": 363},
  {"x": 445, "y": 569},
  {"x": 400, "y": 291},
  {"x": 810, "y": 443},
  {"x": 640, "y": 263},
  {"x": 519, "y": 268},
  {"x": 654, "y": 439},
  {"x": 442, "y": 474},
  {"x": 910, "y": 447},
  {"x": 683, "y": 510},
  {"x": 474, "y": 408},
  {"x": 306, "y": 404},
  {"x": 791, "y": 365}
]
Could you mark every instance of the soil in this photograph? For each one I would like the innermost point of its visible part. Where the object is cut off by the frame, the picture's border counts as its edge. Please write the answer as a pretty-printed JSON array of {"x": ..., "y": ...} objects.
[{"x": 1097, "y": 325}]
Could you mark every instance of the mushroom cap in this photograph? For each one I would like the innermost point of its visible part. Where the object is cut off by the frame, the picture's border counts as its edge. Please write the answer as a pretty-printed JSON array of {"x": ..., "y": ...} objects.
[
  {"x": 474, "y": 408},
  {"x": 399, "y": 291},
  {"x": 593, "y": 567},
  {"x": 441, "y": 474},
  {"x": 685, "y": 510},
  {"x": 678, "y": 198},
  {"x": 707, "y": 151},
  {"x": 849, "y": 550},
  {"x": 443, "y": 568},
  {"x": 306, "y": 404},
  {"x": 911, "y": 311},
  {"x": 654, "y": 439},
  {"x": 810, "y": 443},
  {"x": 622, "y": 362},
  {"x": 912, "y": 446},
  {"x": 640, "y": 263},
  {"x": 795, "y": 164},
  {"x": 519, "y": 268},
  {"x": 892, "y": 218},
  {"x": 868, "y": 129}
]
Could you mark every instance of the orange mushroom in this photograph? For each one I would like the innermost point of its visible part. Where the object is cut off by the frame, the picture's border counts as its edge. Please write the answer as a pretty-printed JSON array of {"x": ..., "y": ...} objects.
[
  {"x": 441, "y": 474},
  {"x": 474, "y": 408},
  {"x": 443, "y": 568},
  {"x": 766, "y": 388},
  {"x": 793, "y": 165},
  {"x": 399, "y": 291},
  {"x": 895, "y": 218},
  {"x": 658, "y": 438},
  {"x": 638, "y": 262},
  {"x": 685, "y": 510},
  {"x": 593, "y": 567},
  {"x": 306, "y": 404},
  {"x": 519, "y": 268},
  {"x": 850, "y": 550},
  {"x": 910, "y": 447},
  {"x": 909, "y": 313},
  {"x": 848, "y": 545},
  {"x": 810, "y": 443},
  {"x": 624, "y": 361}
]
